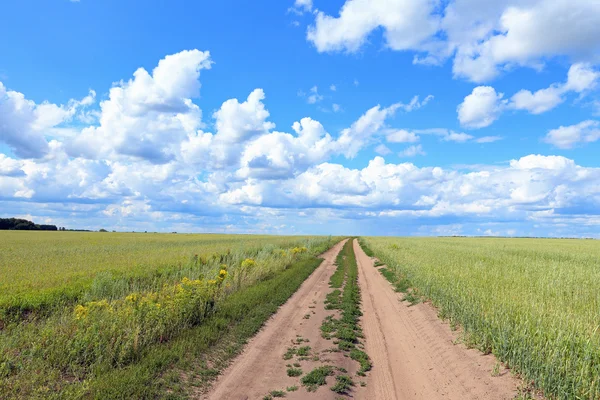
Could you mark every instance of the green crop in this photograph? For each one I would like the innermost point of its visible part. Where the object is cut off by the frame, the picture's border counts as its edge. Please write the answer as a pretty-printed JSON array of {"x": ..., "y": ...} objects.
[{"x": 534, "y": 303}]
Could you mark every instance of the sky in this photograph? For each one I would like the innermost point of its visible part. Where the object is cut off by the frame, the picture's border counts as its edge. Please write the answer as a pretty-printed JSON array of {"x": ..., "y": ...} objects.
[{"x": 343, "y": 117}]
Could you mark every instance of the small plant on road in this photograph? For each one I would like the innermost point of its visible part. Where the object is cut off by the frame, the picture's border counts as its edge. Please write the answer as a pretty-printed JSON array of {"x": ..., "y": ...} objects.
[
  {"x": 343, "y": 384},
  {"x": 317, "y": 377}
]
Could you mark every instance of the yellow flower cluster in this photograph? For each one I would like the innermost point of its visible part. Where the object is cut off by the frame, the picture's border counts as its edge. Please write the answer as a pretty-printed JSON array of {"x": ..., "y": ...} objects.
[
  {"x": 297, "y": 250},
  {"x": 80, "y": 311},
  {"x": 248, "y": 263}
]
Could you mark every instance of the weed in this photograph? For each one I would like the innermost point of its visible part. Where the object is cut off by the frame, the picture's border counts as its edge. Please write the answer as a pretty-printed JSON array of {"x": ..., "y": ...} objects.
[
  {"x": 343, "y": 384},
  {"x": 496, "y": 369},
  {"x": 292, "y": 388},
  {"x": 316, "y": 377},
  {"x": 277, "y": 393},
  {"x": 294, "y": 372},
  {"x": 303, "y": 351},
  {"x": 291, "y": 352}
]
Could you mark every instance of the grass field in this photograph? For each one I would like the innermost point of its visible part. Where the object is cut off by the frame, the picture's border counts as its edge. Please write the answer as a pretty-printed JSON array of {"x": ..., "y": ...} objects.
[
  {"x": 82, "y": 309},
  {"x": 41, "y": 269},
  {"x": 534, "y": 303}
]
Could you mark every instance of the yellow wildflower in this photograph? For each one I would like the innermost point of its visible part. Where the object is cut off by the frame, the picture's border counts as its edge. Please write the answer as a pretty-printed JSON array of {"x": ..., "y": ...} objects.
[
  {"x": 248, "y": 263},
  {"x": 80, "y": 312},
  {"x": 133, "y": 297}
]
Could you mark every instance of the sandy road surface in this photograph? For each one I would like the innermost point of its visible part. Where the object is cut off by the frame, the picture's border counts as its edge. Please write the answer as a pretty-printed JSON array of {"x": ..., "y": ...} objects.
[
  {"x": 261, "y": 367},
  {"x": 413, "y": 352}
]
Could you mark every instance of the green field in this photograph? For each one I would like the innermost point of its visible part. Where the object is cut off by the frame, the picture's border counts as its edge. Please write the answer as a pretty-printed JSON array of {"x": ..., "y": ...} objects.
[
  {"x": 76, "y": 307},
  {"x": 39, "y": 269},
  {"x": 534, "y": 303}
]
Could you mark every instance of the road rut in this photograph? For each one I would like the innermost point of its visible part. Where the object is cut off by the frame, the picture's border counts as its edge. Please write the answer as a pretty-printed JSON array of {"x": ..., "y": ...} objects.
[{"x": 413, "y": 352}]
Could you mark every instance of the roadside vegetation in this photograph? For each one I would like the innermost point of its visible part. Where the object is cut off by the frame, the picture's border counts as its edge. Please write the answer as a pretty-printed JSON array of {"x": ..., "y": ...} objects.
[
  {"x": 42, "y": 272},
  {"x": 120, "y": 333},
  {"x": 533, "y": 303}
]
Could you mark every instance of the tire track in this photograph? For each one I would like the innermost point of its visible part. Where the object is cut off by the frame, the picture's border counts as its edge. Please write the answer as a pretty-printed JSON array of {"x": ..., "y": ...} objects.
[{"x": 413, "y": 352}]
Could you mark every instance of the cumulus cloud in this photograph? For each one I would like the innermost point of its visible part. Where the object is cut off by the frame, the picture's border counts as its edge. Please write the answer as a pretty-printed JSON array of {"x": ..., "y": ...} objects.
[
  {"x": 25, "y": 125},
  {"x": 280, "y": 155},
  {"x": 482, "y": 38},
  {"x": 581, "y": 78},
  {"x": 567, "y": 137},
  {"x": 149, "y": 160},
  {"x": 481, "y": 108},
  {"x": 518, "y": 191},
  {"x": 407, "y": 24},
  {"x": 484, "y": 105},
  {"x": 148, "y": 116}
]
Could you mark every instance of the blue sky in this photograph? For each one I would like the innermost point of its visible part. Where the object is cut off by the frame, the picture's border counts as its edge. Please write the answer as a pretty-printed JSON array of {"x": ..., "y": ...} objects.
[{"x": 403, "y": 117}]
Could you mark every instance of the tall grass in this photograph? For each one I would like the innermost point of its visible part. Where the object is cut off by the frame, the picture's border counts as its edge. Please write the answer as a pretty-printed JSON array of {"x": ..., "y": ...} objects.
[
  {"x": 41, "y": 272},
  {"x": 115, "y": 320},
  {"x": 534, "y": 303}
]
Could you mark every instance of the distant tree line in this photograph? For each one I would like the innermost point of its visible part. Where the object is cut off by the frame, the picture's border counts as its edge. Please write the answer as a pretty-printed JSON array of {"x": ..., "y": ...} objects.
[{"x": 24, "y": 225}]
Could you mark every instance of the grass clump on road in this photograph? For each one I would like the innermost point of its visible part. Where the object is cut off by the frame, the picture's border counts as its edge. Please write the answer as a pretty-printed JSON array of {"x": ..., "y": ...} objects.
[
  {"x": 343, "y": 383},
  {"x": 533, "y": 303},
  {"x": 317, "y": 377},
  {"x": 346, "y": 329}
]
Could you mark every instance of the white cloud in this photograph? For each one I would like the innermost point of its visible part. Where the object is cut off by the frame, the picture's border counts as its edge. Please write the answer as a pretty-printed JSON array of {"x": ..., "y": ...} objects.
[
  {"x": 412, "y": 151},
  {"x": 525, "y": 34},
  {"x": 483, "y": 38},
  {"x": 148, "y": 116},
  {"x": 336, "y": 107},
  {"x": 567, "y": 137},
  {"x": 354, "y": 138},
  {"x": 581, "y": 78},
  {"x": 415, "y": 104},
  {"x": 189, "y": 174},
  {"x": 281, "y": 155},
  {"x": 488, "y": 139},
  {"x": 458, "y": 137},
  {"x": 401, "y": 136},
  {"x": 314, "y": 96},
  {"x": 301, "y": 6},
  {"x": 538, "y": 102},
  {"x": 407, "y": 24},
  {"x": 332, "y": 88},
  {"x": 383, "y": 150},
  {"x": 24, "y": 125},
  {"x": 481, "y": 108}
]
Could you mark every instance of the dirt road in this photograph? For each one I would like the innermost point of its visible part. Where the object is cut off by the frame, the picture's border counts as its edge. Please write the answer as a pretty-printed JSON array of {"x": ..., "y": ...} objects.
[
  {"x": 261, "y": 368},
  {"x": 413, "y": 352}
]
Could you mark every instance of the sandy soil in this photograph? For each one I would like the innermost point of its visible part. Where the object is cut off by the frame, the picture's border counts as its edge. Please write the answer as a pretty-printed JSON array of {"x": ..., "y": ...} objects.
[
  {"x": 261, "y": 367},
  {"x": 413, "y": 352}
]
